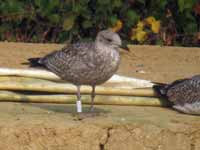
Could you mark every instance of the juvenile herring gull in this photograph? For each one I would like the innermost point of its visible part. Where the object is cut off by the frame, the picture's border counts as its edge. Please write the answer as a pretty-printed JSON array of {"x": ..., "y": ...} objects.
[
  {"x": 85, "y": 63},
  {"x": 183, "y": 93}
]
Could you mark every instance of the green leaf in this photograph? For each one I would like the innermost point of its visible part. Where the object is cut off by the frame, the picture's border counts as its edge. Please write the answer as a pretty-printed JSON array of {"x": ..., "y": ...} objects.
[
  {"x": 191, "y": 27},
  {"x": 53, "y": 4},
  {"x": 190, "y": 23},
  {"x": 12, "y": 6},
  {"x": 103, "y": 2},
  {"x": 41, "y": 3},
  {"x": 87, "y": 24},
  {"x": 4, "y": 28},
  {"x": 54, "y": 18},
  {"x": 69, "y": 22},
  {"x": 185, "y": 4},
  {"x": 116, "y": 3},
  {"x": 37, "y": 3},
  {"x": 131, "y": 18},
  {"x": 76, "y": 9},
  {"x": 162, "y": 3},
  {"x": 63, "y": 36},
  {"x": 48, "y": 7},
  {"x": 86, "y": 14},
  {"x": 113, "y": 20},
  {"x": 141, "y": 1},
  {"x": 84, "y": 2}
]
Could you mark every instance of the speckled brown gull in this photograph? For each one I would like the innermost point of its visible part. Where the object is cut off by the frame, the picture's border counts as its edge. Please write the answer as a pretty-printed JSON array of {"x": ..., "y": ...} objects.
[
  {"x": 85, "y": 63},
  {"x": 183, "y": 93}
]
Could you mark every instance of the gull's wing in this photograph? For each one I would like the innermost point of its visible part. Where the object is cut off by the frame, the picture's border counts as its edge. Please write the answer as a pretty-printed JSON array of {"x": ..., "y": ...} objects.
[
  {"x": 71, "y": 57},
  {"x": 184, "y": 91}
]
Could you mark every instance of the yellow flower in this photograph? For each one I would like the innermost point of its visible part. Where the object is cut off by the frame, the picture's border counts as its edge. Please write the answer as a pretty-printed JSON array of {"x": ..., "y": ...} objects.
[
  {"x": 133, "y": 33},
  {"x": 150, "y": 20},
  {"x": 140, "y": 36},
  {"x": 133, "y": 37},
  {"x": 117, "y": 26},
  {"x": 140, "y": 25},
  {"x": 155, "y": 26}
]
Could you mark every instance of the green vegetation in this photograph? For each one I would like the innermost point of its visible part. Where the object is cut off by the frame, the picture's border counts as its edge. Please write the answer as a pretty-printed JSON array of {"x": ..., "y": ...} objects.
[{"x": 72, "y": 20}]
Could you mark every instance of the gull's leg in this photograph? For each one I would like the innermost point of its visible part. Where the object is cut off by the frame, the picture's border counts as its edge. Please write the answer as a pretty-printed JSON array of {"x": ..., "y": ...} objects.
[
  {"x": 78, "y": 102},
  {"x": 92, "y": 98}
]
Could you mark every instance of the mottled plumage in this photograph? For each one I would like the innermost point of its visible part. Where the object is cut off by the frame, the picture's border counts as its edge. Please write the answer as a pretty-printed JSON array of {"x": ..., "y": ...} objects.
[
  {"x": 184, "y": 94},
  {"x": 85, "y": 63}
]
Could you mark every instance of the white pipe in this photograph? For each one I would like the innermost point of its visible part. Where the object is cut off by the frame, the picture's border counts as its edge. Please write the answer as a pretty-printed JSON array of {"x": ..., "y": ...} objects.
[{"x": 127, "y": 82}]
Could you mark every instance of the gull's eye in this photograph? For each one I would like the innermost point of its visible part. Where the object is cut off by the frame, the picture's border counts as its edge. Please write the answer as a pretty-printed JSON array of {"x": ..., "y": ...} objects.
[{"x": 109, "y": 40}]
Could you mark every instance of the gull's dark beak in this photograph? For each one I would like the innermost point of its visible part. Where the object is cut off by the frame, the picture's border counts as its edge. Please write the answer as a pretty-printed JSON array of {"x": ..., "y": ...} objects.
[{"x": 124, "y": 47}]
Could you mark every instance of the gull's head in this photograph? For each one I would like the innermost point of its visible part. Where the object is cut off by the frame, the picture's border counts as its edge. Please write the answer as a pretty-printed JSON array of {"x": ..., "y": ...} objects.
[{"x": 109, "y": 39}]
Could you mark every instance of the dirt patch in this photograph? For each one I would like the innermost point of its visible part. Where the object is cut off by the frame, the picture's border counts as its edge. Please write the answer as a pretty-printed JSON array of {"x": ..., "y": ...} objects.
[{"x": 55, "y": 127}]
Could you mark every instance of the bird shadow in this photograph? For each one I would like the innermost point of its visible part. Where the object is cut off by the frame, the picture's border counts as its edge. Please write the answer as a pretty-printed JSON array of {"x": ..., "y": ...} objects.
[{"x": 65, "y": 108}]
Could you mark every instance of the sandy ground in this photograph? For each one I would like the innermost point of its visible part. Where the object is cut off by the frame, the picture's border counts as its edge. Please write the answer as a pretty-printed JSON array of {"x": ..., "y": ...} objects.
[{"x": 55, "y": 127}]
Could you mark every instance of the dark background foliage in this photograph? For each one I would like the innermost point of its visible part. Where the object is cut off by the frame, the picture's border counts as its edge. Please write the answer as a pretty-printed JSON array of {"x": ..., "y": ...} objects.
[{"x": 71, "y": 20}]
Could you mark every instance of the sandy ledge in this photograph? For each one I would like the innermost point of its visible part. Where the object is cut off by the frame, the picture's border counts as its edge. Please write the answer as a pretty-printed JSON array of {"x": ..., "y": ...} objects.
[{"x": 54, "y": 127}]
